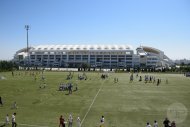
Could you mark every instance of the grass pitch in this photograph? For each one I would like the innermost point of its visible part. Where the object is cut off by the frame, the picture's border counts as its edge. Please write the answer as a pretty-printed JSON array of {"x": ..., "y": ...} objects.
[{"x": 123, "y": 104}]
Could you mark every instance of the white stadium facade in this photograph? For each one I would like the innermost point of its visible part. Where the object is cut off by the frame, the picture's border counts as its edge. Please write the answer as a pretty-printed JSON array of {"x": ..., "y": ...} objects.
[{"x": 95, "y": 56}]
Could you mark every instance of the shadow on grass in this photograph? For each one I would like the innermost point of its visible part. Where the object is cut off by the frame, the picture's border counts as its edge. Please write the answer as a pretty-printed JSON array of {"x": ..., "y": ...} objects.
[{"x": 3, "y": 125}]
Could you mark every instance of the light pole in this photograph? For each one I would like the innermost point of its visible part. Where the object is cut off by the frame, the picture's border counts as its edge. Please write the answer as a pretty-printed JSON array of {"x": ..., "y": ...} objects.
[{"x": 27, "y": 27}]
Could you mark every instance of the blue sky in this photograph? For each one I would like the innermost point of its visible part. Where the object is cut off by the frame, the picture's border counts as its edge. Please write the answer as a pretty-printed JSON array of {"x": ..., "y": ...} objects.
[{"x": 163, "y": 24}]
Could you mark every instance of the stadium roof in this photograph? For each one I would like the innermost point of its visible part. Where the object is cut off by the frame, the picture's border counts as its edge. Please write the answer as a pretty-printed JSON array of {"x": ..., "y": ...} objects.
[
  {"x": 151, "y": 49},
  {"x": 82, "y": 47}
]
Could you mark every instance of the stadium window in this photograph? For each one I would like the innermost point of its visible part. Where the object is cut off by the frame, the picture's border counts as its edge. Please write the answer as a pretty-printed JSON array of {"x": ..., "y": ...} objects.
[
  {"x": 45, "y": 52},
  {"x": 51, "y": 52},
  {"x": 64, "y": 57},
  {"x": 127, "y": 53}
]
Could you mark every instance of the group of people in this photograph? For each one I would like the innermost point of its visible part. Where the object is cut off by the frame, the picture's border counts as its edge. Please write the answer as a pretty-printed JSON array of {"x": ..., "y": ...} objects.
[
  {"x": 7, "y": 121},
  {"x": 34, "y": 75},
  {"x": 116, "y": 80},
  {"x": 67, "y": 87},
  {"x": 43, "y": 81},
  {"x": 70, "y": 76},
  {"x": 13, "y": 120},
  {"x": 155, "y": 124},
  {"x": 30, "y": 73},
  {"x": 14, "y": 106},
  {"x": 62, "y": 121},
  {"x": 104, "y": 76},
  {"x": 70, "y": 87},
  {"x": 82, "y": 77},
  {"x": 148, "y": 79},
  {"x": 166, "y": 123}
]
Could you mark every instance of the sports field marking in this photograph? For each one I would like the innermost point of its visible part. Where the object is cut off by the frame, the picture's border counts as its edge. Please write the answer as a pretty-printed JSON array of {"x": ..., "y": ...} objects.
[
  {"x": 91, "y": 104},
  {"x": 28, "y": 125},
  {"x": 31, "y": 125}
]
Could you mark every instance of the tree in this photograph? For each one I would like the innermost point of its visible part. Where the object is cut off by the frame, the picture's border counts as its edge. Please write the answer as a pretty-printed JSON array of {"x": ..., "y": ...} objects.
[
  {"x": 8, "y": 66},
  {"x": 85, "y": 66}
]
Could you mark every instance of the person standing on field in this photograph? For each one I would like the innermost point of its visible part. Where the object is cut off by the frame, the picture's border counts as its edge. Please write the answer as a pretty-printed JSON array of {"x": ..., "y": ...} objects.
[
  {"x": 1, "y": 103},
  {"x": 148, "y": 124},
  {"x": 155, "y": 124},
  {"x": 61, "y": 121},
  {"x": 166, "y": 122},
  {"x": 14, "y": 124},
  {"x": 7, "y": 120},
  {"x": 78, "y": 122},
  {"x": 70, "y": 121}
]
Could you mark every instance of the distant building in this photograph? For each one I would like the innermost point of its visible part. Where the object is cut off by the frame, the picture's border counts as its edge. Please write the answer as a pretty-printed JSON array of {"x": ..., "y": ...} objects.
[
  {"x": 182, "y": 61},
  {"x": 152, "y": 57},
  {"x": 98, "y": 56}
]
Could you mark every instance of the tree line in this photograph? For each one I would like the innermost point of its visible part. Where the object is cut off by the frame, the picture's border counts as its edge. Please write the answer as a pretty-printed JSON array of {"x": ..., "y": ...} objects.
[
  {"x": 8, "y": 66},
  {"x": 11, "y": 66}
]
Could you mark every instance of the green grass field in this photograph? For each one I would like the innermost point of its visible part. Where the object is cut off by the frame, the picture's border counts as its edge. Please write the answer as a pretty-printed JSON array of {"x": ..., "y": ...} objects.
[{"x": 123, "y": 104}]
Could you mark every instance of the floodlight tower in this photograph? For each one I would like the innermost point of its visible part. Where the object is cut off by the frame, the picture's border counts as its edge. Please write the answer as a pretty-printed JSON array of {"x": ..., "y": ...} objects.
[{"x": 27, "y": 27}]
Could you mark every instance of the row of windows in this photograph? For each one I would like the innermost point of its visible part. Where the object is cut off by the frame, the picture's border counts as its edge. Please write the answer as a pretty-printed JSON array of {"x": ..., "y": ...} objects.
[
  {"x": 152, "y": 62},
  {"x": 76, "y": 59},
  {"x": 91, "y": 62},
  {"x": 152, "y": 59},
  {"x": 79, "y": 56},
  {"x": 84, "y": 52}
]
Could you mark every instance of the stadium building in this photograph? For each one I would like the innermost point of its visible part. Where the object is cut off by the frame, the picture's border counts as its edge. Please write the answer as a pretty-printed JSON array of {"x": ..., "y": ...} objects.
[{"x": 95, "y": 56}]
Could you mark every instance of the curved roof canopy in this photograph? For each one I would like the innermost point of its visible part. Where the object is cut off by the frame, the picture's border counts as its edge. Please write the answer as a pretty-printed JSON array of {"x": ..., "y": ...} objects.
[
  {"x": 150, "y": 49},
  {"x": 82, "y": 47}
]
